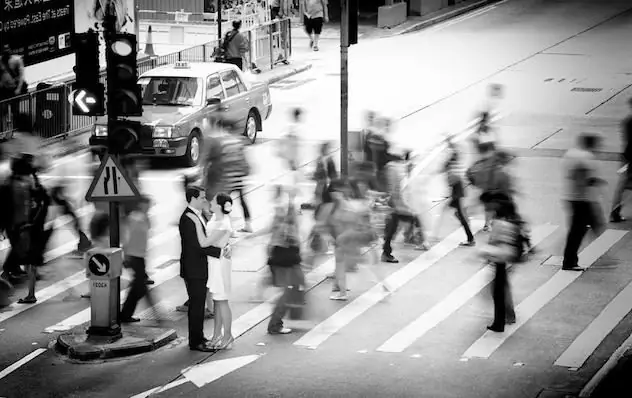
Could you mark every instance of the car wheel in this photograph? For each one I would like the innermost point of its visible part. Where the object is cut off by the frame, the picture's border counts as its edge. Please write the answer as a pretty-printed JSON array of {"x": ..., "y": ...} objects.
[
  {"x": 251, "y": 127},
  {"x": 192, "y": 156}
]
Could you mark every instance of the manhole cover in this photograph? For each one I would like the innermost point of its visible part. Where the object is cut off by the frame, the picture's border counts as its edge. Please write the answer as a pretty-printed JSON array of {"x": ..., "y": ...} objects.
[{"x": 587, "y": 89}]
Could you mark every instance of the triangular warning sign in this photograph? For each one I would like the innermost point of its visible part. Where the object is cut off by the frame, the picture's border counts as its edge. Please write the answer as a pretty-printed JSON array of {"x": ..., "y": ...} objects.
[{"x": 111, "y": 184}]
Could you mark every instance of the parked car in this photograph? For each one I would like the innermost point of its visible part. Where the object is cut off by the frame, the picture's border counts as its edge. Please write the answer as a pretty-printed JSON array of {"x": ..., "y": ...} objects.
[{"x": 179, "y": 102}]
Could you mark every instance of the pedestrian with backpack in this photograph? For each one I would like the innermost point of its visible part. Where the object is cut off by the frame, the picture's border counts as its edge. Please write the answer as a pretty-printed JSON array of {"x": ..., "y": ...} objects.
[{"x": 235, "y": 46}]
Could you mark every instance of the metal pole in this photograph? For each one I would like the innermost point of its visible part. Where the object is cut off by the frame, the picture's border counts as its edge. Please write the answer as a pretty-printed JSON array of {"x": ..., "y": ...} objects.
[
  {"x": 344, "y": 87},
  {"x": 109, "y": 29},
  {"x": 219, "y": 20}
]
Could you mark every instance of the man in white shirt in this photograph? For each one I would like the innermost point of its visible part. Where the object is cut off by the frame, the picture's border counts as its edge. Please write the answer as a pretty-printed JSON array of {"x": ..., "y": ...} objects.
[
  {"x": 315, "y": 13},
  {"x": 582, "y": 193}
]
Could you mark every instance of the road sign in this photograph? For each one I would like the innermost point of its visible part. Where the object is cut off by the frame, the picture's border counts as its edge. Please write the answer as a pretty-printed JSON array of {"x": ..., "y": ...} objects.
[
  {"x": 99, "y": 264},
  {"x": 111, "y": 184}
]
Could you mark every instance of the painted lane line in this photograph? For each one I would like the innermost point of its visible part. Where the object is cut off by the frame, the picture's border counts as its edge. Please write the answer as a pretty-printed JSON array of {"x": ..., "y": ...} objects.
[
  {"x": 83, "y": 316},
  {"x": 7, "y": 371},
  {"x": 254, "y": 317},
  {"x": 450, "y": 304},
  {"x": 587, "y": 342},
  {"x": 208, "y": 372},
  {"x": 65, "y": 284},
  {"x": 399, "y": 278},
  {"x": 491, "y": 341},
  {"x": 610, "y": 364}
]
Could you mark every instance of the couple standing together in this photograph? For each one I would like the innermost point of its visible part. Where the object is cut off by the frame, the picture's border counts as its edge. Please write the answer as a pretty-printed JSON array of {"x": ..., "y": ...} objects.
[{"x": 205, "y": 266}]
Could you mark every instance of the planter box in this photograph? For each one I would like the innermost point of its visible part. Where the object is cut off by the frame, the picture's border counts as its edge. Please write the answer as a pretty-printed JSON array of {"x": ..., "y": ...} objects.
[{"x": 389, "y": 16}]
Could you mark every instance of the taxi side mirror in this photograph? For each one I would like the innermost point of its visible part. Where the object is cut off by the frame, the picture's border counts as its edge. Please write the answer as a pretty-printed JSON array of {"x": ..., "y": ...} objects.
[{"x": 213, "y": 101}]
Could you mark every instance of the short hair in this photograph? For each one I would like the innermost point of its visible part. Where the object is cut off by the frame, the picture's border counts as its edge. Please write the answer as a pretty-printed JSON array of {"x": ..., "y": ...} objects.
[
  {"x": 237, "y": 24},
  {"x": 223, "y": 198},
  {"x": 99, "y": 225},
  {"x": 193, "y": 192}
]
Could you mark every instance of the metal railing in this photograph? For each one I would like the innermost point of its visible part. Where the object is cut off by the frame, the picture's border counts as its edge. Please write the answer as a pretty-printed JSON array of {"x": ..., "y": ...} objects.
[{"x": 50, "y": 110}]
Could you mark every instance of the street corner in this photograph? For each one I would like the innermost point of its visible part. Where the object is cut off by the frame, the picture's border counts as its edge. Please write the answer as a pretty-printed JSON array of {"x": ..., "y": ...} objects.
[
  {"x": 284, "y": 71},
  {"x": 78, "y": 345}
]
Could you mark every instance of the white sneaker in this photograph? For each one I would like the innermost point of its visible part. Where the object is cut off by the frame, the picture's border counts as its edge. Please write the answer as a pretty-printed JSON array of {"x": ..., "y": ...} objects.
[{"x": 339, "y": 297}]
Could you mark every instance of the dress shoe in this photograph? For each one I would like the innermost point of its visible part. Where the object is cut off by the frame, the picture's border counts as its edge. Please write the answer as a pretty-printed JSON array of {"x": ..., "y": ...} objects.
[
  {"x": 496, "y": 329},
  {"x": 130, "y": 320},
  {"x": 202, "y": 347},
  {"x": 280, "y": 331},
  {"x": 616, "y": 218},
  {"x": 575, "y": 268},
  {"x": 388, "y": 258}
]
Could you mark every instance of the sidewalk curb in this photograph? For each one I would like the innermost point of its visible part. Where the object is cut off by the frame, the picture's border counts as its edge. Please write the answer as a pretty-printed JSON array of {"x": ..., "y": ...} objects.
[
  {"x": 136, "y": 340},
  {"x": 616, "y": 364},
  {"x": 448, "y": 15},
  {"x": 290, "y": 72}
]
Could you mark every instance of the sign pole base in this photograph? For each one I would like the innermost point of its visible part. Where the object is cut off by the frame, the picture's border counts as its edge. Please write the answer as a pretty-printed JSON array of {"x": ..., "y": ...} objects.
[{"x": 113, "y": 331}]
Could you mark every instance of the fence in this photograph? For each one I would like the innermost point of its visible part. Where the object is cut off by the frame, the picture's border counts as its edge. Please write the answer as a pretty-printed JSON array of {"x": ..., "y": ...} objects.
[
  {"x": 251, "y": 13},
  {"x": 50, "y": 110}
]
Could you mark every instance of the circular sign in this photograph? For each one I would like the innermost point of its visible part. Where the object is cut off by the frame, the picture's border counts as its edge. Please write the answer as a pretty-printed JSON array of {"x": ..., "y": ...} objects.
[{"x": 99, "y": 265}]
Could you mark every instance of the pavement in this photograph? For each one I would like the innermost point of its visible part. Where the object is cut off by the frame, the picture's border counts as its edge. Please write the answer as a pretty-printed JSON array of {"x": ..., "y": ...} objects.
[{"x": 571, "y": 72}]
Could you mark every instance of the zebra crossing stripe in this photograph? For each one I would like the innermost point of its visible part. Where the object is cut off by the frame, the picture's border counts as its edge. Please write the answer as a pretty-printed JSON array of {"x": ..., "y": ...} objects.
[
  {"x": 455, "y": 300},
  {"x": 357, "y": 307},
  {"x": 491, "y": 341},
  {"x": 588, "y": 341}
]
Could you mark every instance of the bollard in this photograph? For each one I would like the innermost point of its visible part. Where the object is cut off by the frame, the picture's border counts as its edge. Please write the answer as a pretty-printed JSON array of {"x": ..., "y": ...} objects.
[
  {"x": 103, "y": 269},
  {"x": 149, "y": 44}
]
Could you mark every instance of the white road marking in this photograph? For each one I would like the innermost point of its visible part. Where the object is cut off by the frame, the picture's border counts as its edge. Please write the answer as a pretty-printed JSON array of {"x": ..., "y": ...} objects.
[
  {"x": 587, "y": 342},
  {"x": 7, "y": 371},
  {"x": 491, "y": 341},
  {"x": 253, "y": 317},
  {"x": 450, "y": 304},
  {"x": 83, "y": 316},
  {"x": 589, "y": 388},
  {"x": 206, "y": 373},
  {"x": 357, "y": 307}
]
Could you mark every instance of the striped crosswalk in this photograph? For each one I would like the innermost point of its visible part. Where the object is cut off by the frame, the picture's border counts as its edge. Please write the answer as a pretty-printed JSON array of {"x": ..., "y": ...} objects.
[{"x": 402, "y": 335}]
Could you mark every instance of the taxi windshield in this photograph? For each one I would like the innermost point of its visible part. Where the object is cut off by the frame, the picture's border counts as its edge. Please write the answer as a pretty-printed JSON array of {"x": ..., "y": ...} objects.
[{"x": 171, "y": 91}]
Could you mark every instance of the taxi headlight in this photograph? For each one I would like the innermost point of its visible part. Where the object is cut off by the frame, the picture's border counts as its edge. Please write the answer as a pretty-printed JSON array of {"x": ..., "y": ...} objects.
[
  {"x": 100, "y": 131},
  {"x": 163, "y": 132}
]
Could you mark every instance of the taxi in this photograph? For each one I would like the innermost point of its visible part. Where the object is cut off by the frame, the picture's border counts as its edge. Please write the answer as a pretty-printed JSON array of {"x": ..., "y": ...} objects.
[{"x": 179, "y": 102}]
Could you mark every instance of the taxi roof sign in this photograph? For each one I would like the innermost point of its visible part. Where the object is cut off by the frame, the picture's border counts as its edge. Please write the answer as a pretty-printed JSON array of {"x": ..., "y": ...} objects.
[{"x": 182, "y": 65}]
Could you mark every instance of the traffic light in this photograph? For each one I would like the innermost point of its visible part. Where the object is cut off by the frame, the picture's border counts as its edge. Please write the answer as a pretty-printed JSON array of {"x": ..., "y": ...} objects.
[
  {"x": 124, "y": 137},
  {"x": 88, "y": 96},
  {"x": 124, "y": 93},
  {"x": 354, "y": 10}
]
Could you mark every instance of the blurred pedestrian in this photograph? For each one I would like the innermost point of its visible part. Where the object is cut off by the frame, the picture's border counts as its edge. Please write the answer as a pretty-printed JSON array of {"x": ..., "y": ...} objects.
[
  {"x": 503, "y": 248},
  {"x": 625, "y": 173},
  {"x": 583, "y": 184},
  {"x": 235, "y": 46},
  {"x": 60, "y": 198},
  {"x": 284, "y": 260},
  {"x": 135, "y": 249},
  {"x": 325, "y": 172},
  {"x": 315, "y": 13}
]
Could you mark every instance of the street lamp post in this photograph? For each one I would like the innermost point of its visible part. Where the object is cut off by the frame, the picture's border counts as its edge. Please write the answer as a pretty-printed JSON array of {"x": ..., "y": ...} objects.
[{"x": 344, "y": 87}]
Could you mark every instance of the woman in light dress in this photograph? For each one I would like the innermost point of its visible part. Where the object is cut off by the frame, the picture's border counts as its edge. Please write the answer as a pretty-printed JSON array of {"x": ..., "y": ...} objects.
[{"x": 219, "y": 232}]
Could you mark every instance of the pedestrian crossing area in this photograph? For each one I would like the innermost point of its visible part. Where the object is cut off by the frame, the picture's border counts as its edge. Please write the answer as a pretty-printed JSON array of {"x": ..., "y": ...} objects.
[{"x": 336, "y": 327}]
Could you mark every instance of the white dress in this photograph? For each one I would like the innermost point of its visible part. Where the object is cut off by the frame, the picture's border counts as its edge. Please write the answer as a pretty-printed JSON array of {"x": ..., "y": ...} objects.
[{"x": 219, "y": 269}]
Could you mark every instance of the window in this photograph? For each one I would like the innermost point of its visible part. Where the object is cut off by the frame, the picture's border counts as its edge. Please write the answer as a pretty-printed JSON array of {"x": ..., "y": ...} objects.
[
  {"x": 231, "y": 84},
  {"x": 171, "y": 91},
  {"x": 214, "y": 88}
]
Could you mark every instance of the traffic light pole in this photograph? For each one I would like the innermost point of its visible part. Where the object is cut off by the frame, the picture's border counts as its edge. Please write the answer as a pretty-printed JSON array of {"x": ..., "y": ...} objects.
[
  {"x": 109, "y": 29},
  {"x": 344, "y": 87}
]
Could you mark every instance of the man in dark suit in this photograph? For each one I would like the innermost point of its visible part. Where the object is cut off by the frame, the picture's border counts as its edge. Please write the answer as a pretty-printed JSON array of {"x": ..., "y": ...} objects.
[{"x": 194, "y": 266}]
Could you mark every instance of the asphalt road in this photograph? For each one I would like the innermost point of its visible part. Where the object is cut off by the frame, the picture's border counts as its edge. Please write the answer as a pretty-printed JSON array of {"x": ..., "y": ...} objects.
[{"x": 428, "y": 338}]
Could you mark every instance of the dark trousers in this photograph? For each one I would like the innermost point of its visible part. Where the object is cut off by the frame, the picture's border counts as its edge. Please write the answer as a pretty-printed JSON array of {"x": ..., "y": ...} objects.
[
  {"x": 456, "y": 202},
  {"x": 284, "y": 277},
  {"x": 196, "y": 289},
  {"x": 138, "y": 288},
  {"x": 244, "y": 205},
  {"x": 236, "y": 61},
  {"x": 501, "y": 294},
  {"x": 582, "y": 214},
  {"x": 12, "y": 262},
  {"x": 390, "y": 230}
]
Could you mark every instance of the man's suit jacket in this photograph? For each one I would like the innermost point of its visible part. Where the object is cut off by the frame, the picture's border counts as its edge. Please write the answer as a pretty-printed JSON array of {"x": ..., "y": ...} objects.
[{"x": 193, "y": 261}]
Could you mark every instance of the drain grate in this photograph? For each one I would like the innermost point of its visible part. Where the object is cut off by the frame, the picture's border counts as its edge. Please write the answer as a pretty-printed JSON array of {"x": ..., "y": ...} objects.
[
  {"x": 162, "y": 311},
  {"x": 587, "y": 89}
]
